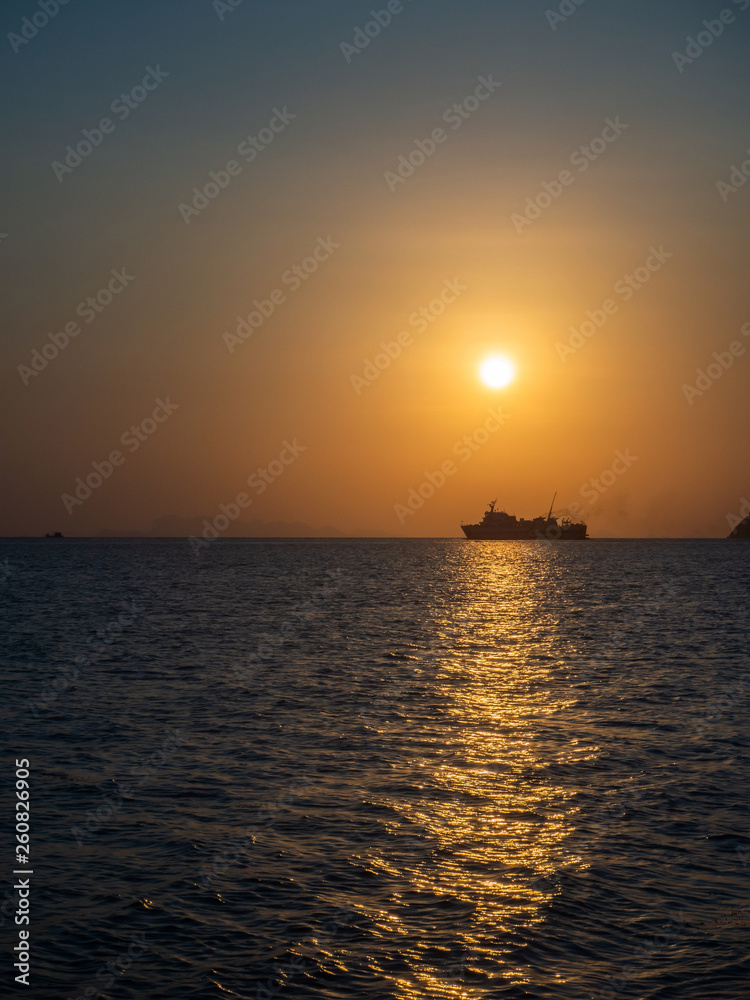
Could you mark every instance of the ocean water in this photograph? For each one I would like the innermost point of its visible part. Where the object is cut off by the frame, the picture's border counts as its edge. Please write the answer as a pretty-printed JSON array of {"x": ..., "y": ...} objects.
[{"x": 381, "y": 769}]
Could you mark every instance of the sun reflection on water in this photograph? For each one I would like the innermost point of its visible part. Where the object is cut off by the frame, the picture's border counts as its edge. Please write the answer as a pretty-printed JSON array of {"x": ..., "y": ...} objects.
[{"x": 485, "y": 816}]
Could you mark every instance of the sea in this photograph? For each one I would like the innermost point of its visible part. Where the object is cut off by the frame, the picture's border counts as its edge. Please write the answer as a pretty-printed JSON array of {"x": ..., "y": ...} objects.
[{"x": 292, "y": 769}]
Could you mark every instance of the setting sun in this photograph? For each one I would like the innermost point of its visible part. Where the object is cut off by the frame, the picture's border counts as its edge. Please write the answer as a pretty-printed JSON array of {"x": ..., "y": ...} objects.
[{"x": 497, "y": 371}]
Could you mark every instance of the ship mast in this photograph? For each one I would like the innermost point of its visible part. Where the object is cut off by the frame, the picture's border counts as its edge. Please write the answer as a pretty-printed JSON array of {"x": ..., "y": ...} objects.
[{"x": 551, "y": 506}]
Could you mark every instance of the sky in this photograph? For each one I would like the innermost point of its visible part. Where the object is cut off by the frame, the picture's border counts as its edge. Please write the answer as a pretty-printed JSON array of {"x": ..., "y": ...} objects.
[{"x": 303, "y": 225}]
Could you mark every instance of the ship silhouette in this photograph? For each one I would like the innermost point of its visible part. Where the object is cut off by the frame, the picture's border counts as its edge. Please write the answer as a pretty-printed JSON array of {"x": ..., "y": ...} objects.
[{"x": 497, "y": 525}]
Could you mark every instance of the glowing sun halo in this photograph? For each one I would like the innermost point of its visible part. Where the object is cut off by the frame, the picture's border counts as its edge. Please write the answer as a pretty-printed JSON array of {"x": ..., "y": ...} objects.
[{"x": 497, "y": 371}]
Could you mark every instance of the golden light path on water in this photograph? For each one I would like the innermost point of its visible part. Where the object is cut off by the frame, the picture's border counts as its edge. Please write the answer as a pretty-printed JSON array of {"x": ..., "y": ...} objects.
[{"x": 483, "y": 714}]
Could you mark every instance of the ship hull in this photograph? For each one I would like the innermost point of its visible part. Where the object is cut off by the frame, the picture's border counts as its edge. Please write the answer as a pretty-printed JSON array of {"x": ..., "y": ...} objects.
[{"x": 478, "y": 532}]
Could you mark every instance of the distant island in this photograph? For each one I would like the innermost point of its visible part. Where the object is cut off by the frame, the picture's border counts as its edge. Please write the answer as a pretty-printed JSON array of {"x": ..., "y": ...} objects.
[{"x": 742, "y": 530}]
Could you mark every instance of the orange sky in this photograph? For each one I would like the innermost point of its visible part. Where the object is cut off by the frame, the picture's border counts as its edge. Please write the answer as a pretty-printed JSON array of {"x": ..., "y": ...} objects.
[{"x": 649, "y": 196}]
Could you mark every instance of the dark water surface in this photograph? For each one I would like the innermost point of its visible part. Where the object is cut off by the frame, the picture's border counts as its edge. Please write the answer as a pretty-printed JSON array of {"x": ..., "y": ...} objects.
[{"x": 381, "y": 769}]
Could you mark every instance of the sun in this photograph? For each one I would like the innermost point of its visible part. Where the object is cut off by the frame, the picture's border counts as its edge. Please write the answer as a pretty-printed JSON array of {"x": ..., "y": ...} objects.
[{"x": 497, "y": 371}]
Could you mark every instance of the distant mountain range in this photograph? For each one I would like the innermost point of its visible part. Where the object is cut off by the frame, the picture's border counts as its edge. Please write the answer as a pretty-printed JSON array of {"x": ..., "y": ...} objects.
[{"x": 186, "y": 527}]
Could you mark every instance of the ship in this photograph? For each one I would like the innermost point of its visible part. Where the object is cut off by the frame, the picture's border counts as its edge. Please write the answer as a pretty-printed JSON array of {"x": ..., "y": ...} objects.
[{"x": 497, "y": 525}]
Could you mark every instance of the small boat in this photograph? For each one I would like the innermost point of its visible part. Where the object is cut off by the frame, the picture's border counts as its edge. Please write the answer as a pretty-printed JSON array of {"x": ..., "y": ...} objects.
[{"x": 57, "y": 534}]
